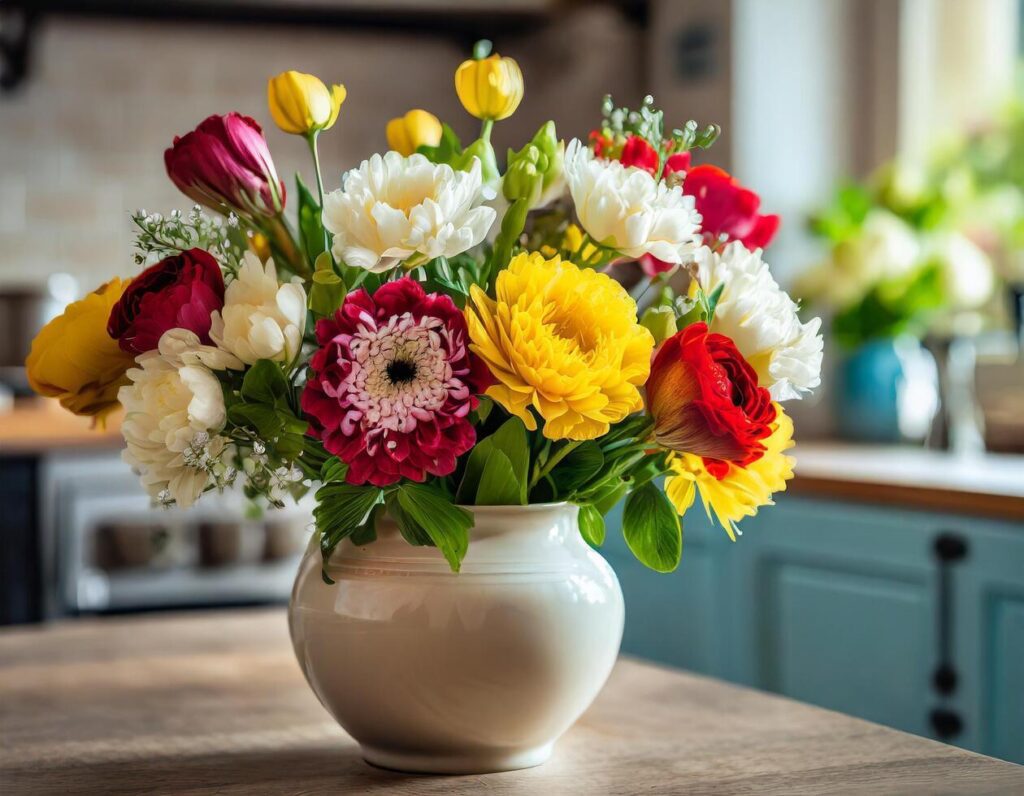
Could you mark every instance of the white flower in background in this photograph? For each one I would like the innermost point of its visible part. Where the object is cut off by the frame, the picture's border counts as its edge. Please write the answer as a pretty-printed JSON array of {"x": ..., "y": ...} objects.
[
  {"x": 392, "y": 207},
  {"x": 967, "y": 272},
  {"x": 261, "y": 318},
  {"x": 171, "y": 424},
  {"x": 626, "y": 209},
  {"x": 885, "y": 247},
  {"x": 761, "y": 319},
  {"x": 183, "y": 347}
]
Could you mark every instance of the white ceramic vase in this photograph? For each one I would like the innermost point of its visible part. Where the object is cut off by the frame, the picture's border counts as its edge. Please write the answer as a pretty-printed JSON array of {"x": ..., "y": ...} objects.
[{"x": 473, "y": 672}]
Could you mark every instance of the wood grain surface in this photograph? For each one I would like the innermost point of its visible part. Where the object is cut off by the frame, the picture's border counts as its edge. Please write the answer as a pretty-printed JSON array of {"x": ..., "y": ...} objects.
[{"x": 210, "y": 703}]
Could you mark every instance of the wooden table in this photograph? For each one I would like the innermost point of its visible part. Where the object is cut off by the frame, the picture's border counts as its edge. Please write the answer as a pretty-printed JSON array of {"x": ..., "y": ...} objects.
[{"x": 215, "y": 703}]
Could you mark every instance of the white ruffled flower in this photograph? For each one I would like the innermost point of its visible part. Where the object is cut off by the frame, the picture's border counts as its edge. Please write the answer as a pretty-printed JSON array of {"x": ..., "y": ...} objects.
[
  {"x": 967, "y": 272},
  {"x": 261, "y": 318},
  {"x": 172, "y": 419},
  {"x": 626, "y": 209},
  {"x": 761, "y": 319},
  {"x": 393, "y": 207}
]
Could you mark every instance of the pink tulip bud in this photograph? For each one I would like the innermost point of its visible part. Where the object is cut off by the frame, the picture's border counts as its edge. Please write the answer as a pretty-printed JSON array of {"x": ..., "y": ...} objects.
[{"x": 225, "y": 164}]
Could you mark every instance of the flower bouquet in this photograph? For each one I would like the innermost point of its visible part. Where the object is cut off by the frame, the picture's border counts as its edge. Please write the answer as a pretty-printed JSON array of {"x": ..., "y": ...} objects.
[{"x": 440, "y": 336}]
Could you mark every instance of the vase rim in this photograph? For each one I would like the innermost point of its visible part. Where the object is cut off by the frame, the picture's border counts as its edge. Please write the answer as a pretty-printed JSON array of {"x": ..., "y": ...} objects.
[{"x": 517, "y": 507}]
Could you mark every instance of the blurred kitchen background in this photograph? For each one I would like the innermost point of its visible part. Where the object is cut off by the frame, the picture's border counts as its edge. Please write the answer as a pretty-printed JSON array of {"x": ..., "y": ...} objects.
[{"x": 889, "y": 580}]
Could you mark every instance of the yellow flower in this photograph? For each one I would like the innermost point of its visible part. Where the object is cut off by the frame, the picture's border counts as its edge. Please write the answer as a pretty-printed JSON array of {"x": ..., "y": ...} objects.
[
  {"x": 301, "y": 104},
  {"x": 74, "y": 359},
  {"x": 489, "y": 88},
  {"x": 742, "y": 490},
  {"x": 417, "y": 128},
  {"x": 563, "y": 340}
]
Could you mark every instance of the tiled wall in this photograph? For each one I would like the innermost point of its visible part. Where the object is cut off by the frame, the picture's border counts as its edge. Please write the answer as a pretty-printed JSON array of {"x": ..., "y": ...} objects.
[{"x": 82, "y": 141}]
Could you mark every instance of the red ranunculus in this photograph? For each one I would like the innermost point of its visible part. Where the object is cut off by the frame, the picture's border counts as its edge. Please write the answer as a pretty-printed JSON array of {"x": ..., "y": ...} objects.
[
  {"x": 728, "y": 209},
  {"x": 393, "y": 384},
  {"x": 637, "y": 152},
  {"x": 704, "y": 399},
  {"x": 225, "y": 164},
  {"x": 179, "y": 292}
]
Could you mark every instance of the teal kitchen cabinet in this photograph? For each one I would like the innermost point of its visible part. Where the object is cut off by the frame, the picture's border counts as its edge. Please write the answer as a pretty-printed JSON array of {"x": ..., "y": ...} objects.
[{"x": 913, "y": 619}]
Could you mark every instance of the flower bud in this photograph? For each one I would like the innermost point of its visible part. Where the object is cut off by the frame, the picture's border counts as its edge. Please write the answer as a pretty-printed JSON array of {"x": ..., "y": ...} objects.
[
  {"x": 535, "y": 171},
  {"x": 417, "y": 128},
  {"x": 489, "y": 88},
  {"x": 225, "y": 164},
  {"x": 301, "y": 104}
]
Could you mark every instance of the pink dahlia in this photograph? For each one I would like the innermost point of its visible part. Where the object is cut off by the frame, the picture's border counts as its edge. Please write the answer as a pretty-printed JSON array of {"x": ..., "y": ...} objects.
[{"x": 393, "y": 384}]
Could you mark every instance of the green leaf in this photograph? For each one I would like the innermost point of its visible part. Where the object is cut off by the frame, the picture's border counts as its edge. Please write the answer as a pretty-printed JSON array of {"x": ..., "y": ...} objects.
[
  {"x": 446, "y": 524},
  {"x": 448, "y": 149},
  {"x": 311, "y": 226},
  {"x": 716, "y": 294},
  {"x": 651, "y": 528},
  {"x": 511, "y": 439},
  {"x": 411, "y": 532},
  {"x": 576, "y": 469},
  {"x": 591, "y": 524},
  {"x": 341, "y": 510},
  {"x": 498, "y": 484},
  {"x": 367, "y": 532},
  {"x": 605, "y": 498},
  {"x": 265, "y": 383},
  {"x": 334, "y": 469},
  {"x": 265, "y": 419}
]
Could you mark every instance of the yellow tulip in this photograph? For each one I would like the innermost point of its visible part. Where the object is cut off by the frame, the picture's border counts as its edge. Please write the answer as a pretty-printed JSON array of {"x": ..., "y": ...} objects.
[
  {"x": 489, "y": 88},
  {"x": 301, "y": 104},
  {"x": 75, "y": 360},
  {"x": 417, "y": 128}
]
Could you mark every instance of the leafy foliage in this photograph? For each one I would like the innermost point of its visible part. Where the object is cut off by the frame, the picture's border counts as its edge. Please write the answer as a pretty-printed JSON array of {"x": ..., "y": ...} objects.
[{"x": 652, "y": 529}]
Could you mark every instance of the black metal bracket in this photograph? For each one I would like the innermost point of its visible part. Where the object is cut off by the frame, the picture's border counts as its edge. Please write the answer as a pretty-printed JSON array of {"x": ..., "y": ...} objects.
[{"x": 17, "y": 27}]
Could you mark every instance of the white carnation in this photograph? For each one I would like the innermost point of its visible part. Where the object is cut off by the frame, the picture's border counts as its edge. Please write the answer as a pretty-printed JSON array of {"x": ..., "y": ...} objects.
[
  {"x": 392, "y": 207},
  {"x": 172, "y": 419},
  {"x": 261, "y": 318},
  {"x": 626, "y": 209},
  {"x": 761, "y": 319}
]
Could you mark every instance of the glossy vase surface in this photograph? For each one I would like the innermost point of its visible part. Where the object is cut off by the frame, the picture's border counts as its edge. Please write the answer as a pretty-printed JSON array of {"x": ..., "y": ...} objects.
[{"x": 467, "y": 672}]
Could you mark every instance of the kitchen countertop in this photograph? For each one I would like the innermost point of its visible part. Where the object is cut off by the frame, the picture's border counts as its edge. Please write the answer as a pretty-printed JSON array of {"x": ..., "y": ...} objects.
[
  {"x": 215, "y": 703},
  {"x": 986, "y": 484},
  {"x": 40, "y": 425}
]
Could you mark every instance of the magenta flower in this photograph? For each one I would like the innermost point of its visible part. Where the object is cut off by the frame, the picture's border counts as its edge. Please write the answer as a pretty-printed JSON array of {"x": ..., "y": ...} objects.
[
  {"x": 393, "y": 384},
  {"x": 225, "y": 164}
]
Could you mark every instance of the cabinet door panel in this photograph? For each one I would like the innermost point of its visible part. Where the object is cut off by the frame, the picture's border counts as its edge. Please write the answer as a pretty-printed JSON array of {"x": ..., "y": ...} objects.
[
  {"x": 847, "y": 640},
  {"x": 1005, "y": 677}
]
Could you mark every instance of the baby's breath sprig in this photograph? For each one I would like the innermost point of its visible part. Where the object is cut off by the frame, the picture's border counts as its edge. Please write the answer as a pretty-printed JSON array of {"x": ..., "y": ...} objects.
[{"x": 162, "y": 236}]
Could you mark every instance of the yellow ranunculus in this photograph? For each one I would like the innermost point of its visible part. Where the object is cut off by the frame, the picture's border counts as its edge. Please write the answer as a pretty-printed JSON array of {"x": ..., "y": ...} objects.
[
  {"x": 301, "y": 104},
  {"x": 564, "y": 341},
  {"x": 74, "y": 359},
  {"x": 489, "y": 88},
  {"x": 742, "y": 490},
  {"x": 417, "y": 128}
]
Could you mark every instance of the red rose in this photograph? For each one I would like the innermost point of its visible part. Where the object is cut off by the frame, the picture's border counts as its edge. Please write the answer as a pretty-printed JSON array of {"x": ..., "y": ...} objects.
[
  {"x": 637, "y": 152},
  {"x": 704, "y": 399},
  {"x": 728, "y": 209},
  {"x": 225, "y": 164},
  {"x": 393, "y": 384},
  {"x": 177, "y": 293}
]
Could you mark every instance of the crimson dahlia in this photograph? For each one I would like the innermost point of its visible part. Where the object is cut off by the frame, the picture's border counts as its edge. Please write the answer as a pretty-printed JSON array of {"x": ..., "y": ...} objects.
[{"x": 393, "y": 384}]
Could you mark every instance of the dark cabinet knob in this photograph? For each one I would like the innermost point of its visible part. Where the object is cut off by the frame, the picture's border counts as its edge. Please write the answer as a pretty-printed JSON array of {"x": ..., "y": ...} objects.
[
  {"x": 946, "y": 723},
  {"x": 950, "y": 547}
]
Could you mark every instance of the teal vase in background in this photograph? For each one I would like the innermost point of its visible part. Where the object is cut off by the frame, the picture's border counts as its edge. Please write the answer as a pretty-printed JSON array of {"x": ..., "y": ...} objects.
[{"x": 888, "y": 392}]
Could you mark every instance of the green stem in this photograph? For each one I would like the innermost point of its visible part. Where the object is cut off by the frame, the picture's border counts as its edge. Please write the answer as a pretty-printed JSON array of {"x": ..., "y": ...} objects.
[
  {"x": 315, "y": 152},
  {"x": 485, "y": 130},
  {"x": 553, "y": 461}
]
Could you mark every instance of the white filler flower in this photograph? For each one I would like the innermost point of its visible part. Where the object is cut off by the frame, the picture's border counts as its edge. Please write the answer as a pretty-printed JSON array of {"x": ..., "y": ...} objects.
[
  {"x": 172, "y": 416},
  {"x": 393, "y": 208},
  {"x": 261, "y": 319},
  {"x": 626, "y": 209},
  {"x": 761, "y": 319}
]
